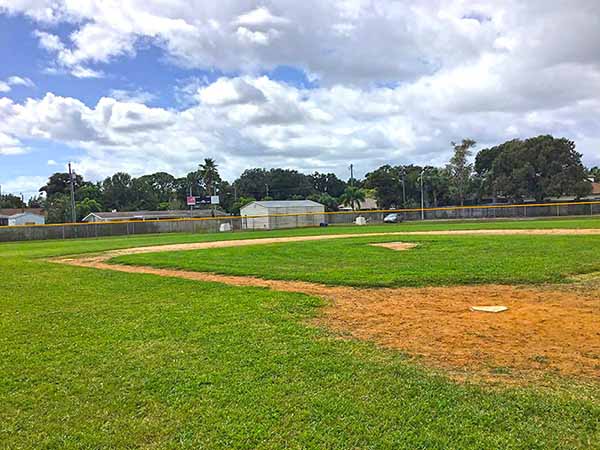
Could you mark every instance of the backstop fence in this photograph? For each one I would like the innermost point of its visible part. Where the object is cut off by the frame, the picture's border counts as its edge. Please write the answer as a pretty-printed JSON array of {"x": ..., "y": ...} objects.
[{"x": 236, "y": 223}]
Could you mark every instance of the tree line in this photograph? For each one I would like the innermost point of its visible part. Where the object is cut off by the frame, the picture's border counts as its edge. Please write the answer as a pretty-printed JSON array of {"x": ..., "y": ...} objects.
[{"x": 537, "y": 168}]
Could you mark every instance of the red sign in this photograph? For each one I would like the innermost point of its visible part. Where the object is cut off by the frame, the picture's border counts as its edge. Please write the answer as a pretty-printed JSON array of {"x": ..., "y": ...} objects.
[{"x": 191, "y": 201}]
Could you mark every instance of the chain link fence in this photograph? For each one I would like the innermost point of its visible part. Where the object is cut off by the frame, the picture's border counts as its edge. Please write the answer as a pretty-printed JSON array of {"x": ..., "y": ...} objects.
[{"x": 236, "y": 223}]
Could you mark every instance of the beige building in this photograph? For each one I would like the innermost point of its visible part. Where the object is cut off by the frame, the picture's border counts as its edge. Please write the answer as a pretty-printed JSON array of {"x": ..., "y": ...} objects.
[{"x": 277, "y": 214}]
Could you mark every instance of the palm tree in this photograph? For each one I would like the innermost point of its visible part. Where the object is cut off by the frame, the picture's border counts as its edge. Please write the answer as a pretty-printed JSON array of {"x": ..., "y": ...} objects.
[
  {"x": 209, "y": 174},
  {"x": 352, "y": 197}
]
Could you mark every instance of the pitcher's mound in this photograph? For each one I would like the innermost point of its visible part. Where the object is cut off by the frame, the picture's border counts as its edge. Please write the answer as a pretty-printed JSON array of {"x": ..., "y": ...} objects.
[{"x": 396, "y": 245}]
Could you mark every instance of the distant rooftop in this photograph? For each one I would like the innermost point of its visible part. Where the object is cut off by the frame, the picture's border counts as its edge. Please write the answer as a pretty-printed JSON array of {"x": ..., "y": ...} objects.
[
  {"x": 9, "y": 212},
  {"x": 286, "y": 203},
  {"x": 151, "y": 215}
]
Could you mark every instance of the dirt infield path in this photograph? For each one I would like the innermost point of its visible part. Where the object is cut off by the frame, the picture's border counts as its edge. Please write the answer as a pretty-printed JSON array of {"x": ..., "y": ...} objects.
[{"x": 545, "y": 330}]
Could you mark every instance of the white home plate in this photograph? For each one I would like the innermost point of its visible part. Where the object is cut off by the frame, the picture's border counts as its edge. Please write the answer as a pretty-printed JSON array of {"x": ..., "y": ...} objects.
[{"x": 492, "y": 309}]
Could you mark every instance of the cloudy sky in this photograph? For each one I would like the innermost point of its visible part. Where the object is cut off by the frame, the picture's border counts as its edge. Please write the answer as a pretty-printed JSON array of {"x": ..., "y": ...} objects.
[{"x": 157, "y": 85}]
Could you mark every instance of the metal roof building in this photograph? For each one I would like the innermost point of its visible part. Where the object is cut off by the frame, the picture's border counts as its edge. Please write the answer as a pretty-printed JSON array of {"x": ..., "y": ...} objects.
[
  {"x": 277, "y": 214},
  {"x": 121, "y": 216}
]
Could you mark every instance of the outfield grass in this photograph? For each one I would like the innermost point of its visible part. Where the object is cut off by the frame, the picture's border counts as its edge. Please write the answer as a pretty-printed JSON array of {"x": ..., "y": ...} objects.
[
  {"x": 78, "y": 246},
  {"x": 437, "y": 260},
  {"x": 101, "y": 359}
]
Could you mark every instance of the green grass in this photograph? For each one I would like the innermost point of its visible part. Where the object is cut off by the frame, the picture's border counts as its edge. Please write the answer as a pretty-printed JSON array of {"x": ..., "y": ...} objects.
[
  {"x": 101, "y": 359},
  {"x": 77, "y": 246},
  {"x": 437, "y": 260}
]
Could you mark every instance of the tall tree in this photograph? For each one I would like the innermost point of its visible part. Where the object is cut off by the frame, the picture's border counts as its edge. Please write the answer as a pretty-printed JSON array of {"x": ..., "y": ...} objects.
[
  {"x": 540, "y": 167},
  {"x": 284, "y": 184},
  {"x": 460, "y": 169},
  {"x": 330, "y": 203},
  {"x": 59, "y": 183},
  {"x": 252, "y": 183},
  {"x": 438, "y": 185},
  {"x": 387, "y": 183},
  {"x": 36, "y": 202},
  {"x": 352, "y": 197},
  {"x": 209, "y": 174},
  {"x": 92, "y": 191},
  {"x": 327, "y": 183},
  {"x": 87, "y": 206},
  {"x": 117, "y": 192},
  {"x": 484, "y": 170},
  {"x": 11, "y": 201},
  {"x": 58, "y": 208}
]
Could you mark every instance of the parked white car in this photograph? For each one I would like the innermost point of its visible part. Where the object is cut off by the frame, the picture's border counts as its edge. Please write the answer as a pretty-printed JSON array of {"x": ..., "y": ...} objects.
[{"x": 392, "y": 218}]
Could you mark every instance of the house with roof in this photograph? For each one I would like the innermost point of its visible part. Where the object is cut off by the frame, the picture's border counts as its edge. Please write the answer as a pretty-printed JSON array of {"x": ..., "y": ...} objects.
[
  {"x": 22, "y": 216},
  {"x": 124, "y": 216}
]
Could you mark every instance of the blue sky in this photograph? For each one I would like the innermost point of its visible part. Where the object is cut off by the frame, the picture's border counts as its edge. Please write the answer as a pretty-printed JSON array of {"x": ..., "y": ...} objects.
[{"x": 152, "y": 86}]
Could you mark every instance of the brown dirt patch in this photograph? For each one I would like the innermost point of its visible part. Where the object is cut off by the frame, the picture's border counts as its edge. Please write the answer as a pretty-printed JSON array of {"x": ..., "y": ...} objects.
[
  {"x": 546, "y": 330},
  {"x": 398, "y": 246},
  {"x": 543, "y": 331}
]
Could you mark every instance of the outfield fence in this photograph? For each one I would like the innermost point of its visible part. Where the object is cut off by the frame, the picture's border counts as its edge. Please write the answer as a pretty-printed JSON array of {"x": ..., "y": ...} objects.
[{"x": 213, "y": 224}]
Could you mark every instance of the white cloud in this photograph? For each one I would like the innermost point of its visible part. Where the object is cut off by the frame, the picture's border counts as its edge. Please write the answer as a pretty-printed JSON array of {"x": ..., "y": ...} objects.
[
  {"x": 337, "y": 41},
  {"x": 7, "y": 85},
  {"x": 26, "y": 185},
  {"x": 51, "y": 162},
  {"x": 85, "y": 72},
  {"x": 132, "y": 96},
  {"x": 19, "y": 81},
  {"x": 10, "y": 145},
  {"x": 260, "y": 17},
  {"x": 255, "y": 121},
  {"x": 398, "y": 81},
  {"x": 226, "y": 91}
]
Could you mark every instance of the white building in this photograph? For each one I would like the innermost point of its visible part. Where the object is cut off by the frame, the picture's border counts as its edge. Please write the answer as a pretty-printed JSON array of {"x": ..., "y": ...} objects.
[
  {"x": 14, "y": 217},
  {"x": 272, "y": 215},
  {"x": 124, "y": 216}
]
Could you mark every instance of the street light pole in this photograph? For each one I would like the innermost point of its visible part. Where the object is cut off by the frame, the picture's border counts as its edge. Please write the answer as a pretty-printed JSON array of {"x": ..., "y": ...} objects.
[
  {"x": 422, "y": 196},
  {"x": 73, "y": 213},
  {"x": 403, "y": 188}
]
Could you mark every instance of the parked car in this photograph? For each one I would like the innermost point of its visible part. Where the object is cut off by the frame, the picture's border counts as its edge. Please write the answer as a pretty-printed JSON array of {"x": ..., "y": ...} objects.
[{"x": 392, "y": 218}]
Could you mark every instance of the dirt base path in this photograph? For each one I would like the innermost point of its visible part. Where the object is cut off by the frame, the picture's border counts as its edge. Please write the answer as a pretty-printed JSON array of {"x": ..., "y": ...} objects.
[{"x": 548, "y": 330}]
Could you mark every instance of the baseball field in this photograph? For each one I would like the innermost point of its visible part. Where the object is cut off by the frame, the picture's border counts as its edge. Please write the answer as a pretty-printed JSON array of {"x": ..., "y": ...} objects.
[{"x": 339, "y": 337}]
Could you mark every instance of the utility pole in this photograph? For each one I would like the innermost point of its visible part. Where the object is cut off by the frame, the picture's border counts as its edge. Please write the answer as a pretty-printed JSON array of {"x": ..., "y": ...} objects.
[
  {"x": 191, "y": 213},
  {"x": 422, "y": 196},
  {"x": 403, "y": 174},
  {"x": 212, "y": 206},
  {"x": 267, "y": 187},
  {"x": 73, "y": 213},
  {"x": 351, "y": 174}
]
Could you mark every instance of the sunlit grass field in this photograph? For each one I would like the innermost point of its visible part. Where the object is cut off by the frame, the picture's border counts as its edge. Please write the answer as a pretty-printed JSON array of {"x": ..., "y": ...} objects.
[
  {"x": 101, "y": 359},
  {"x": 437, "y": 260}
]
